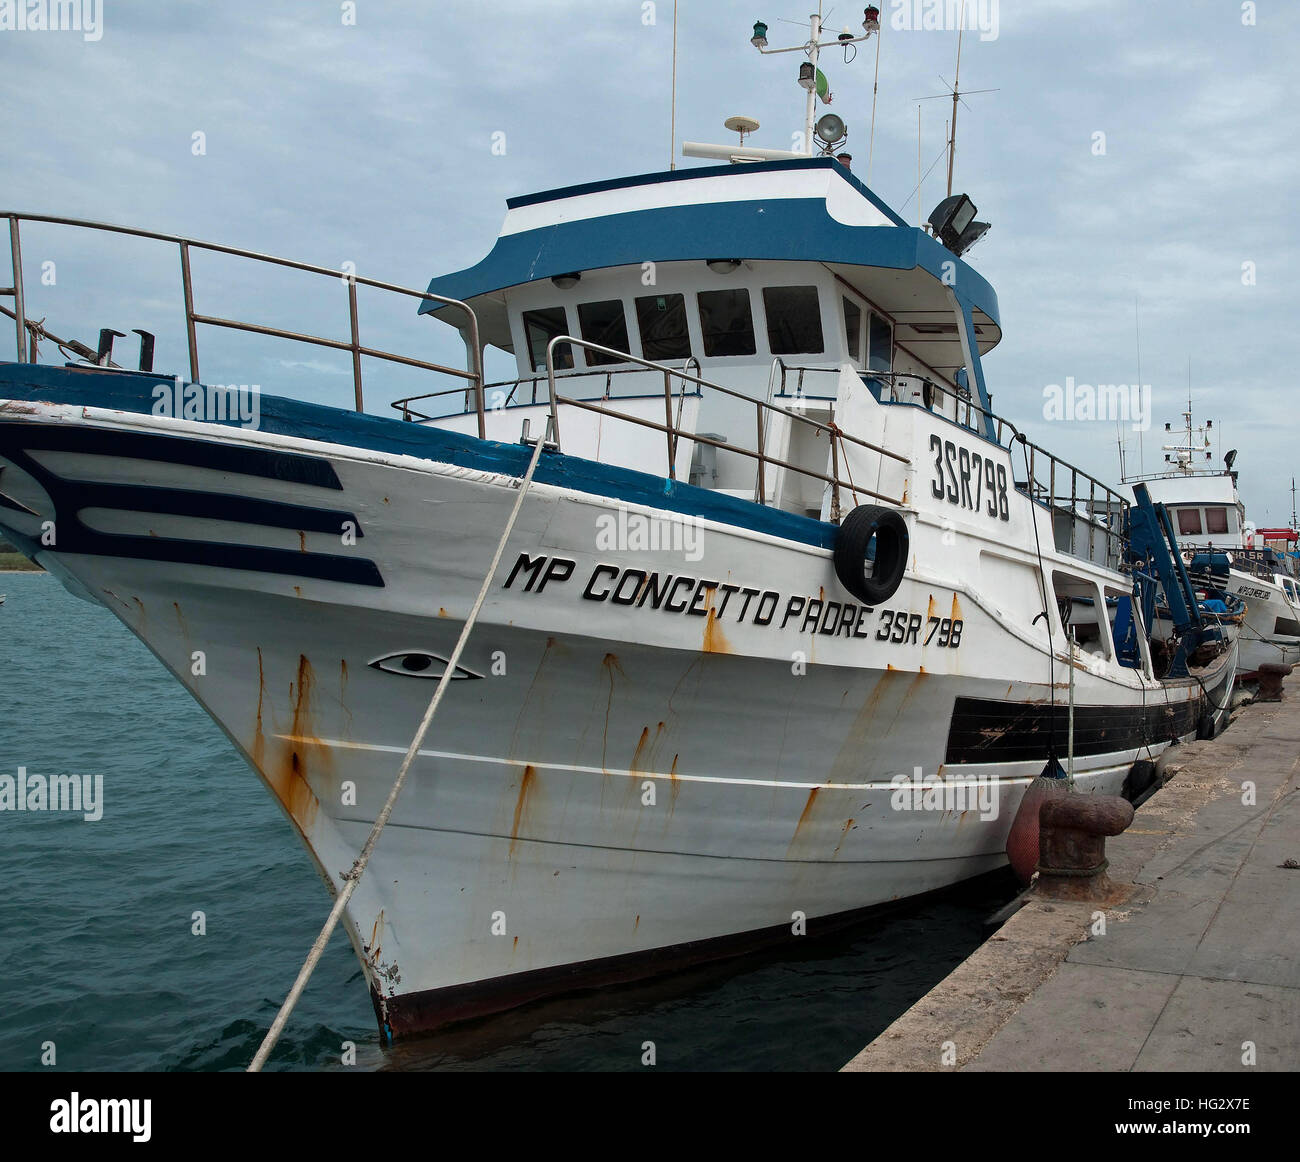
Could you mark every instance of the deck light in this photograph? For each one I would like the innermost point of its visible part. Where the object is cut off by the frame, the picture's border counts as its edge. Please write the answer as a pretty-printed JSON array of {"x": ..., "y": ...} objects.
[
  {"x": 808, "y": 76},
  {"x": 953, "y": 222},
  {"x": 722, "y": 265},
  {"x": 759, "y": 39},
  {"x": 830, "y": 129},
  {"x": 871, "y": 18},
  {"x": 968, "y": 237},
  {"x": 567, "y": 281}
]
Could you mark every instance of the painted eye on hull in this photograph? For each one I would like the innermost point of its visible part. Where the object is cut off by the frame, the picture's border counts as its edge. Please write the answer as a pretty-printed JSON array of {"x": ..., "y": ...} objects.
[{"x": 419, "y": 664}]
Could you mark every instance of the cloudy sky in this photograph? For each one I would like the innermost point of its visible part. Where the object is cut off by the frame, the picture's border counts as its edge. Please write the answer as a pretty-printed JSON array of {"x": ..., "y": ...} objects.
[{"x": 370, "y": 141}]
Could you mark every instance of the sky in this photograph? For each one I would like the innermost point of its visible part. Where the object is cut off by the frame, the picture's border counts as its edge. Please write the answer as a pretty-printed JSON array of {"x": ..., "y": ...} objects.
[{"x": 364, "y": 132}]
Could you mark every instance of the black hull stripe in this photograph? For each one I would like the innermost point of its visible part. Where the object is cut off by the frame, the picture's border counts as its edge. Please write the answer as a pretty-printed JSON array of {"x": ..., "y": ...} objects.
[
  {"x": 269, "y": 464},
  {"x": 70, "y": 497},
  {"x": 249, "y": 558},
  {"x": 984, "y": 730},
  {"x": 212, "y": 505}
]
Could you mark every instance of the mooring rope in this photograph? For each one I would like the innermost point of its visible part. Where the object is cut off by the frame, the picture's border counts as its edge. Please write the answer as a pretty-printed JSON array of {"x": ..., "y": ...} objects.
[{"x": 353, "y": 875}]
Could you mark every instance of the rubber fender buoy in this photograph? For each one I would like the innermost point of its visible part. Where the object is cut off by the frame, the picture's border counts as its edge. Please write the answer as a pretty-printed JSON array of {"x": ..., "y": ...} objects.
[
  {"x": 1023, "y": 838},
  {"x": 852, "y": 541},
  {"x": 1140, "y": 776},
  {"x": 1205, "y": 725},
  {"x": 927, "y": 394}
]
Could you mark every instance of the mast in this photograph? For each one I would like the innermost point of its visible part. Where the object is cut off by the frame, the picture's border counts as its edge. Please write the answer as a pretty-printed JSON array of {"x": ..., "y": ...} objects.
[
  {"x": 810, "y": 108},
  {"x": 956, "y": 94}
]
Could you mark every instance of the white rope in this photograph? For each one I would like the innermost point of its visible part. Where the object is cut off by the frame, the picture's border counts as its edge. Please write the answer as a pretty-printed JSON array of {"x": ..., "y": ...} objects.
[{"x": 353, "y": 875}]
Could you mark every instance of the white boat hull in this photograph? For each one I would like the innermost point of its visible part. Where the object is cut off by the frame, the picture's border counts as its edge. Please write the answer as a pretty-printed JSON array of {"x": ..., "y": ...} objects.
[{"x": 619, "y": 787}]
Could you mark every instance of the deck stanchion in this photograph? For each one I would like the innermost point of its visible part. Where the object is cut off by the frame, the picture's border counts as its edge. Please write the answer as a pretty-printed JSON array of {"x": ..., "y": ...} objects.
[
  {"x": 191, "y": 338},
  {"x": 20, "y": 314},
  {"x": 668, "y": 430},
  {"x": 356, "y": 343}
]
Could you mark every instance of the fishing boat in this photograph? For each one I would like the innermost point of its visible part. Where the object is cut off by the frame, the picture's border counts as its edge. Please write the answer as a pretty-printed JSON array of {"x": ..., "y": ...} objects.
[
  {"x": 785, "y": 621},
  {"x": 1229, "y": 559}
]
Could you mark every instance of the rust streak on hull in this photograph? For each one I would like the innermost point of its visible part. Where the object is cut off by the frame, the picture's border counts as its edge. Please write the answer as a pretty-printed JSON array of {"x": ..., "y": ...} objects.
[{"x": 526, "y": 785}]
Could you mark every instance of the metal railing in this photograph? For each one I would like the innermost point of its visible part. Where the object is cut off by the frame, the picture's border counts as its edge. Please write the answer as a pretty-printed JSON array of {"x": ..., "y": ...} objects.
[
  {"x": 778, "y": 364},
  {"x": 535, "y": 381},
  {"x": 1104, "y": 511},
  {"x": 473, "y": 374},
  {"x": 763, "y": 411}
]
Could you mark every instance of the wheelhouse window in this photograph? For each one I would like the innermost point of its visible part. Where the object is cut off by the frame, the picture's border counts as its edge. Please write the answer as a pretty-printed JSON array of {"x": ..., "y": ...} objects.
[
  {"x": 726, "y": 322},
  {"x": 880, "y": 355},
  {"x": 1216, "y": 520},
  {"x": 853, "y": 329},
  {"x": 606, "y": 324},
  {"x": 794, "y": 320},
  {"x": 540, "y": 327},
  {"x": 1189, "y": 522},
  {"x": 662, "y": 322}
]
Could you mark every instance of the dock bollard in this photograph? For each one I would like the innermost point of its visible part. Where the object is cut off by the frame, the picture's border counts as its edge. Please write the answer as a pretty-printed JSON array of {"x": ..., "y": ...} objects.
[
  {"x": 1270, "y": 681},
  {"x": 1072, "y": 832}
]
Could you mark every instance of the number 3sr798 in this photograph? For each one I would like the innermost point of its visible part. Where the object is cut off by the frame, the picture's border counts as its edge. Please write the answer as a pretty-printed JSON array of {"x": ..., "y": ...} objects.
[{"x": 968, "y": 479}]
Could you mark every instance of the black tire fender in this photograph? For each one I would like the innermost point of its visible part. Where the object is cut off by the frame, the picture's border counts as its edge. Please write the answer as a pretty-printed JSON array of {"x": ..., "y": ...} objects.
[
  {"x": 892, "y": 548},
  {"x": 1205, "y": 727}
]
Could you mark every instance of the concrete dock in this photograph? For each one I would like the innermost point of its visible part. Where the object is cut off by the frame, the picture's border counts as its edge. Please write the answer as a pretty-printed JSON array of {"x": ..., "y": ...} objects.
[{"x": 1191, "y": 963}]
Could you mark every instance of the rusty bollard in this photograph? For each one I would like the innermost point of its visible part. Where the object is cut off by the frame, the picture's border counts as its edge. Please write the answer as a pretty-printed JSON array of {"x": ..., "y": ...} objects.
[
  {"x": 1270, "y": 681},
  {"x": 1072, "y": 832}
]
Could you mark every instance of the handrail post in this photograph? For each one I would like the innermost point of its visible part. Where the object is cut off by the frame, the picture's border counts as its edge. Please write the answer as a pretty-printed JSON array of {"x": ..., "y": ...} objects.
[
  {"x": 835, "y": 478},
  {"x": 668, "y": 431},
  {"x": 477, "y": 368},
  {"x": 1092, "y": 515},
  {"x": 356, "y": 343},
  {"x": 762, "y": 482},
  {"x": 187, "y": 286},
  {"x": 20, "y": 314},
  {"x": 1074, "y": 488},
  {"x": 550, "y": 382}
]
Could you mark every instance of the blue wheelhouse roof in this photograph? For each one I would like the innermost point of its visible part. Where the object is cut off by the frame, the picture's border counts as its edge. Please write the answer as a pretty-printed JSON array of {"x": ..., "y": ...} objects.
[{"x": 797, "y": 229}]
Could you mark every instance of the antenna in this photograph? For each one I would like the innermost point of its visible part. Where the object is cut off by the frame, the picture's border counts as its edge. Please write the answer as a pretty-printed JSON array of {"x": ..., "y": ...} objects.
[
  {"x": 672, "y": 132},
  {"x": 956, "y": 80},
  {"x": 875, "y": 88},
  {"x": 1137, "y": 328},
  {"x": 811, "y": 79},
  {"x": 918, "y": 166},
  {"x": 956, "y": 94},
  {"x": 1185, "y": 454}
]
